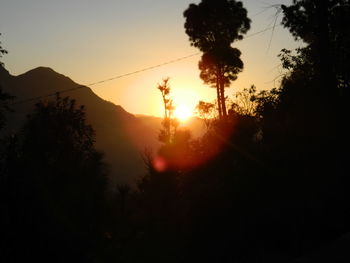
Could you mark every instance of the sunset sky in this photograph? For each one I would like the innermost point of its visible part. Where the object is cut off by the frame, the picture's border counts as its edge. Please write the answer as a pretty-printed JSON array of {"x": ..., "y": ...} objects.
[{"x": 90, "y": 40}]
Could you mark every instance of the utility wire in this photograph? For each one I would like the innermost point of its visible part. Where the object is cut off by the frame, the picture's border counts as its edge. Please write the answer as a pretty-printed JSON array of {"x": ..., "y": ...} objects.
[
  {"x": 105, "y": 80},
  {"x": 124, "y": 75},
  {"x": 262, "y": 31},
  {"x": 145, "y": 69}
]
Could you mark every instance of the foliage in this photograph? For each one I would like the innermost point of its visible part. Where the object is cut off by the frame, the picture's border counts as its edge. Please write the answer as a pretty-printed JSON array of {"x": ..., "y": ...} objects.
[
  {"x": 4, "y": 97},
  {"x": 245, "y": 102},
  {"x": 323, "y": 26},
  {"x": 212, "y": 26},
  {"x": 215, "y": 24},
  {"x": 4, "y": 106},
  {"x": 218, "y": 68},
  {"x": 267, "y": 184},
  {"x": 55, "y": 183},
  {"x": 2, "y": 52},
  {"x": 226, "y": 60},
  {"x": 303, "y": 19},
  {"x": 169, "y": 123},
  {"x": 64, "y": 124},
  {"x": 205, "y": 111}
]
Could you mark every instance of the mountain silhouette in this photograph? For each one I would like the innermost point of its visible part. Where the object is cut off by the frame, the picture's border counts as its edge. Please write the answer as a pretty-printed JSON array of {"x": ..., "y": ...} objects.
[{"x": 120, "y": 135}]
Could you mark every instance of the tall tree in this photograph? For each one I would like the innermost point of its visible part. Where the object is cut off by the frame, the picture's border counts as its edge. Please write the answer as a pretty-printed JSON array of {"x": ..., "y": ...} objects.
[
  {"x": 212, "y": 26},
  {"x": 319, "y": 73},
  {"x": 218, "y": 68}
]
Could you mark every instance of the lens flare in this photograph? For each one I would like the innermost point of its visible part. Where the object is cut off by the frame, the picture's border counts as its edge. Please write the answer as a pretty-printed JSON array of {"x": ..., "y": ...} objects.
[{"x": 159, "y": 164}]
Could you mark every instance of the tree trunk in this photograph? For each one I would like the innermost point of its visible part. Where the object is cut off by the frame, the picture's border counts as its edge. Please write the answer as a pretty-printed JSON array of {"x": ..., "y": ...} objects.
[
  {"x": 223, "y": 100},
  {"x": 218, "y": 93},
  {"x": 222, "y": 94}
]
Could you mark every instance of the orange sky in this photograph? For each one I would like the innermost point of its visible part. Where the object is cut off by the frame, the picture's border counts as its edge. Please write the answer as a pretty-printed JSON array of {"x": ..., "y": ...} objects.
[{"x": 91, "y": 41}]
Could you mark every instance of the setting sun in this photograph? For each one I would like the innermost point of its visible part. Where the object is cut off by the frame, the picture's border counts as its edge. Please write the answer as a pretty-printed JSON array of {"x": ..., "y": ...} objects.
[{"x": 182, "y": 112}]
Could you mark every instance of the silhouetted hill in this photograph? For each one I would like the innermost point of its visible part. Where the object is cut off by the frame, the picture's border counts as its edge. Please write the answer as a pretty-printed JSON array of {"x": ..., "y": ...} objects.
[{"x": 119, "y": 134}]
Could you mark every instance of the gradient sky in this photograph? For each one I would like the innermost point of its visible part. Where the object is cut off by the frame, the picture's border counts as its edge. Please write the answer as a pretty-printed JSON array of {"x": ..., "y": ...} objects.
[{"x": 90, "y": 40}]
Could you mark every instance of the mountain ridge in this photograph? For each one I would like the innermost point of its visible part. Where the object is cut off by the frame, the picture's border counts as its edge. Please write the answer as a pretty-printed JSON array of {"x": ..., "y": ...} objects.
[{"x": 117, "y": 131}]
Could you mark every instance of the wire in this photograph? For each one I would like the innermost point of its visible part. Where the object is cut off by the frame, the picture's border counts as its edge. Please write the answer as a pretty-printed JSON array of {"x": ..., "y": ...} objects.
[
  {"x": 124, "y": 75},
  {"x": 145, "y": 69},
  {"x": 278, "y": 12},
  {"x": 106, "y": 80},
  {"x": 262, "y": 31}
]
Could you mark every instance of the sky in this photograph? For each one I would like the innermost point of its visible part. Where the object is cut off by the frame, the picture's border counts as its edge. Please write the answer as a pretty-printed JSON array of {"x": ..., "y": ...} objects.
[{"x": 90, "y": 41}]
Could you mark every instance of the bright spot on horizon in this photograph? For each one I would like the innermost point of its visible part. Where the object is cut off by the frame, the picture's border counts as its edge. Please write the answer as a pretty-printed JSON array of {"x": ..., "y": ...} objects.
[{"x": 182, "y": 112}]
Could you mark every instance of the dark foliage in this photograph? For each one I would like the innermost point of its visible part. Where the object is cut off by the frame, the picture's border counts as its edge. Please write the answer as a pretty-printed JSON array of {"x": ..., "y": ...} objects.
[
  {"x": 213, "y": 26},
  {"x": 2, "y": 52},
  {"x": 229, "y": 61},
  {"x": 4, "y": 106},
  {"x": 53, "y": 187},
  {"x": 4, "y": 97},
  {"x": 267, "y": 183},
  {"x": 273, "y": 186},
  {"x": 323, "y": 25}
]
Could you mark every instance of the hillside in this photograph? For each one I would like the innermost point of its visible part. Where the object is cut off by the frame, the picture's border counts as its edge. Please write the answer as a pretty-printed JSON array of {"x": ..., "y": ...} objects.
[{"x": 117, "y": 131}]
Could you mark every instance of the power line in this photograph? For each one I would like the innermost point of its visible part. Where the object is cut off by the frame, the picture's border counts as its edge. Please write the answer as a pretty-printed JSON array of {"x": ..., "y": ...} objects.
[
  {"x": 124, "y": 75},
  {"x": 106, "y": 80},
  {"x": 145, "y": 69},
  {"x": 262, "y": 31}
]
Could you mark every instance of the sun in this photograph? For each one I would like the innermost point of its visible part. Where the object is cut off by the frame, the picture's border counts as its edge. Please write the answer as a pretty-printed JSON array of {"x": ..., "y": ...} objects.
[{"x": 182, "y": 112}]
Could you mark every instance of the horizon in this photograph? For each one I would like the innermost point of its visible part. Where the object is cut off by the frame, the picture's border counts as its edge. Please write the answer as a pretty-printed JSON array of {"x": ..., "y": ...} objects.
[{"x": 59, "y": 44}]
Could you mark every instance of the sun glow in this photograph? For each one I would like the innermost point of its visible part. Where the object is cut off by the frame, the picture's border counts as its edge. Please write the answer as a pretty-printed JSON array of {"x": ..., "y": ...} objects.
[{"x": 182, "y": 112}]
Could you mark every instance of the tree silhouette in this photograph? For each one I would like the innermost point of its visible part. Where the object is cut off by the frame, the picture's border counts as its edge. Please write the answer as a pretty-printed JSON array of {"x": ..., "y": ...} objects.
[
  {"x": 216, "y": 23},
  {"x": 245, "y": 101},
  {"x": 2, "y": 52},
  {"x": 169, "y": 123},
  {"x": 4, "y": 106},
  {"x": 205, "y": 111},
  {"x": 318, "y": 74},
  {"x": 218, "y": 68},
  {"x": 4, "y": 97},
  {"x": 56, "y": 186},
  {"x": 213, "y": 26},
  {"x": 323, "y": 25}
]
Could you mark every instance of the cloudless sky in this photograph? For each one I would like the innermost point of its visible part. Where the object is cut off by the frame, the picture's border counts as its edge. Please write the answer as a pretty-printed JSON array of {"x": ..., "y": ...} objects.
[{"x": 89, "y": 41}]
